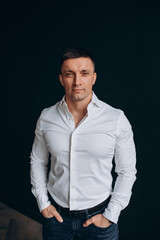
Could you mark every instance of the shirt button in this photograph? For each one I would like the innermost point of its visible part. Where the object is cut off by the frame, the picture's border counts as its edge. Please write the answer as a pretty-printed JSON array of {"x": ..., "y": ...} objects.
[{"x": 72, "y": 187}]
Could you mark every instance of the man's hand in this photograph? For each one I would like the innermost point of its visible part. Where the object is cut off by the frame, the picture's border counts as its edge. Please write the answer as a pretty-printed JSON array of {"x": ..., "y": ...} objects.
[
  {"x": 51, "y": 211},
  {"x": 98, "y": 220}
]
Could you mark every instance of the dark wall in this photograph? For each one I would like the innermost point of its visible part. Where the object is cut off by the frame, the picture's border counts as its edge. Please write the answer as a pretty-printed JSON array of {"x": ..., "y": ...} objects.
[{"x": 125, "y": 40}]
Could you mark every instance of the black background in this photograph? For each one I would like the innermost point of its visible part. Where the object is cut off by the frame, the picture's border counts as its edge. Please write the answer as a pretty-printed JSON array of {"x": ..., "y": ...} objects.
[{"x": 125, "y": 40}]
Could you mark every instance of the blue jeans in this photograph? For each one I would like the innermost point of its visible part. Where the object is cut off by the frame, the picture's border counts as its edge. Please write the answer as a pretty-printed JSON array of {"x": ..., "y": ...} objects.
[{"x": 72, "y": 228}]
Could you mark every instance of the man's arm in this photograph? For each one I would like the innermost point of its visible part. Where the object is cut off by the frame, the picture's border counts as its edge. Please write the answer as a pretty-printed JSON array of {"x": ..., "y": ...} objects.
[
  {"x": 125, "y": 161},
  {"x": 39, "y": 160}
]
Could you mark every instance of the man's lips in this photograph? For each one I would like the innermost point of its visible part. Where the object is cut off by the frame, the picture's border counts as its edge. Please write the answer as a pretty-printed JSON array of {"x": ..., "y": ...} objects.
[{"x": 77, "y": 89}]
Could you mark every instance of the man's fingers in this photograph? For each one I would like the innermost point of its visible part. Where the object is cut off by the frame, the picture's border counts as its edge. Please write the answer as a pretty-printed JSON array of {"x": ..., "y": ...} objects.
[
  {"x": 52, "y": 212},
  {"x": 46, "y": 212},
  {"x": 88, "y": 222},
  {"x": 57, "y": 215}
]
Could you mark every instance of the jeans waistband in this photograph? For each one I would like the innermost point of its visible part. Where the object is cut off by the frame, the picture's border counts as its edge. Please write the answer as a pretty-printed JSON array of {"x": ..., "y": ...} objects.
[{"x": 89, "y": 211}]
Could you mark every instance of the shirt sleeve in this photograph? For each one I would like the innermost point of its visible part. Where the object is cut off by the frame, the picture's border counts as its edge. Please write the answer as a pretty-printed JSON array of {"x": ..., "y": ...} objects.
[
  {"x": 38, "y": 171},
  {"x": 125, "y": 167}
]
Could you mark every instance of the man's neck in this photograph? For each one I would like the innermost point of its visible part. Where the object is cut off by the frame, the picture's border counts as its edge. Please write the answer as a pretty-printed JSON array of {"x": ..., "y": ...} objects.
[{"x": 78, "y": 107}]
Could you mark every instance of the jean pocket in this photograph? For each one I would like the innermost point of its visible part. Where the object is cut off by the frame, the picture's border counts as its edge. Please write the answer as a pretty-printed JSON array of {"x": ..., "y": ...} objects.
[
  {"x": 48, "y": 218},
  {"x": 99, "y": 212},
  {"x": 102, "y": 228}
]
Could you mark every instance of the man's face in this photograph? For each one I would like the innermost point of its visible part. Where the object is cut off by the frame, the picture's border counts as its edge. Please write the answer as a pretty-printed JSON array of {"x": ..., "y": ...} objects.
[{"x": 78, "y": 76}]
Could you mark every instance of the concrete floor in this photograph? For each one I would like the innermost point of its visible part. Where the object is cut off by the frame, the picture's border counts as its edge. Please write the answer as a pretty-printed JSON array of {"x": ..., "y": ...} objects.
[{"x": 16, "y": 226}]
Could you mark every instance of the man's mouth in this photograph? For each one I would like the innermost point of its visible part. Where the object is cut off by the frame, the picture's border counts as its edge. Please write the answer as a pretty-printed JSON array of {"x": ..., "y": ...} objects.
[{"x": 78, "y": 89}]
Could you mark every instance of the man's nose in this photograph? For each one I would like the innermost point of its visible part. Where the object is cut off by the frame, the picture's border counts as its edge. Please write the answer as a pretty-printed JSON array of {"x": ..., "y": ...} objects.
[{"x": 77, "y": 79}]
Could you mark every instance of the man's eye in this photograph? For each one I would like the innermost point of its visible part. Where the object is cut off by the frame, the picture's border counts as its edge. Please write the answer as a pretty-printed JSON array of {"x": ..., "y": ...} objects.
[
  {"x": 69, "y": 74},
  {"x": 85, "y": 73}
]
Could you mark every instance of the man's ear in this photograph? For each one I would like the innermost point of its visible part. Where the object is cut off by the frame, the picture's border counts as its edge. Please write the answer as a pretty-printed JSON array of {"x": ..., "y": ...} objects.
[
  {"x": 61, "y": 79},
  {"x": 94, "y": 77}
]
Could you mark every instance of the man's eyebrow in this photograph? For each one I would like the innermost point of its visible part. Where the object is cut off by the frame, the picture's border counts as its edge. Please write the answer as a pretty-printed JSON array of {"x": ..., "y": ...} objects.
[
  {"x": 85, "y": 70},
  {"x": 67, "y": 70}
]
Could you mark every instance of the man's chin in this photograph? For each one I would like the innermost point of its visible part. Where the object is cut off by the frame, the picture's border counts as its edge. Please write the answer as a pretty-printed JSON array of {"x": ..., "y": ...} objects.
[{"x": 78, "y": 97}]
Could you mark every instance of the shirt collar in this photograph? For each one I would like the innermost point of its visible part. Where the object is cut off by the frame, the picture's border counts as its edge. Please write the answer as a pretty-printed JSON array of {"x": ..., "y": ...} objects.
[{"x": 94, "y": 100}]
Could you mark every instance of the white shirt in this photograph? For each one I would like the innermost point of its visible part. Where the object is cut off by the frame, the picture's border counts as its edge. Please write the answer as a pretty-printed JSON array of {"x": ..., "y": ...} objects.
[{"x": 81, "y": 158}]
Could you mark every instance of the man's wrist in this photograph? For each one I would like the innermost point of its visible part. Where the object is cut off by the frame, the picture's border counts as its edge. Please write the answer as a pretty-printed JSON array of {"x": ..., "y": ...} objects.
[{"x": 107, "y": 219}]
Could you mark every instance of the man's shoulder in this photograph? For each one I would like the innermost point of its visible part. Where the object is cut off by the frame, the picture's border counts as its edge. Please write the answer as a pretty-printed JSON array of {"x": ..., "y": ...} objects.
[
  {"x": 110, "y": 109},
  {"x": 49, "y": 110},
  {"x": 115, "y": 114}
]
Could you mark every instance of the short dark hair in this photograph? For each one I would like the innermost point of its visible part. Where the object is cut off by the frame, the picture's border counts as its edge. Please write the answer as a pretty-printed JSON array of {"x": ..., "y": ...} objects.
[{"x": 70, "y": 53}]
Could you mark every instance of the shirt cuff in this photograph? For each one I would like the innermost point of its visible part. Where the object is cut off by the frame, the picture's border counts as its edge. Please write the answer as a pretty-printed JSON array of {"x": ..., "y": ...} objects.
[
  {"x": 112, "y": 212},
  {"x": 43, "y": 202}
]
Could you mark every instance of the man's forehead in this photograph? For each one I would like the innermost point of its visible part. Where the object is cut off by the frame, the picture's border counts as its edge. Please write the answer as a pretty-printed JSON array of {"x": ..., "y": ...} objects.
[{"x": 74, "y": 63}]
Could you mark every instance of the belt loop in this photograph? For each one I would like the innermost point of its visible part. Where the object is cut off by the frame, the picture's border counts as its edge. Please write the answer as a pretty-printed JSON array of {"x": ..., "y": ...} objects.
[{"x": 86, "y": 212}]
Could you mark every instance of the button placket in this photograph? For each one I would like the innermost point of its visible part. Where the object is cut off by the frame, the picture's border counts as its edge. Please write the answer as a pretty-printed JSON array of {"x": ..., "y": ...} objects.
[
  {"x": 72, "y": 172},
  {"x": 72, "y": 157}
]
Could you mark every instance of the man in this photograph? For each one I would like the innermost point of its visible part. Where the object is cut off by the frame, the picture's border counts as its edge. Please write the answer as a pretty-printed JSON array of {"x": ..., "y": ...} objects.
[{"x": 83, "y": 136}]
